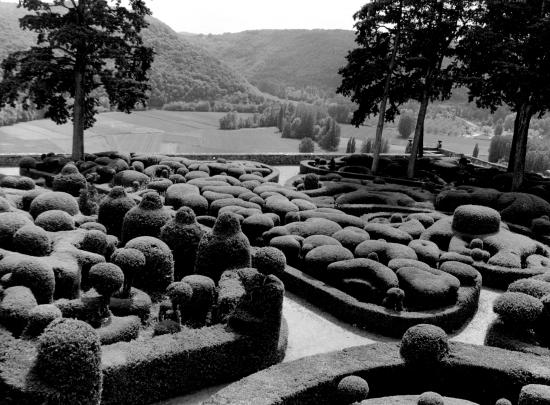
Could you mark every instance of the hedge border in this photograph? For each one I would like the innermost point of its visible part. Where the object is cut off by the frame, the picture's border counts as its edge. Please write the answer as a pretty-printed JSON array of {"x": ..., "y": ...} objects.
[
  {"x": 142, "y": 372},
  {"x": 469, "y": 372},
  {"x": 498, "y": 335},
  {"x": 376, "y": 318},
  {"x": 500, "y": 277}
]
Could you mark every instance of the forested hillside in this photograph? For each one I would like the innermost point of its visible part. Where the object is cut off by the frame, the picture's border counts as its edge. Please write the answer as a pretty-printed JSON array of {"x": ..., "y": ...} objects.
[
  {"x": 275, "y": 60},
  {"x": 181, "y": 71}
]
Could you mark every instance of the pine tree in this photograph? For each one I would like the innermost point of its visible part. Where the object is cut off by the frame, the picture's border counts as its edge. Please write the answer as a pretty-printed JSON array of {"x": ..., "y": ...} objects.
[{"x": 475, "y": 153}]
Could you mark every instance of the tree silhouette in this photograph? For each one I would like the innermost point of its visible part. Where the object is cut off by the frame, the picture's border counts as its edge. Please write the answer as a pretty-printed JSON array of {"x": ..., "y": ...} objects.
[{"x": 83, "y": 47}]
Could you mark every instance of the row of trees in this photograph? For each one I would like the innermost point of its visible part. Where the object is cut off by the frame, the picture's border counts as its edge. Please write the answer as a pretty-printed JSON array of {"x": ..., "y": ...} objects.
[{"x": 421, "y": 49}]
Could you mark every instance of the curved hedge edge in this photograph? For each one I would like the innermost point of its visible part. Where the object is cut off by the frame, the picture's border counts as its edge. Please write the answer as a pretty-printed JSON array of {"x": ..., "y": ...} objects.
[
  {"x": 142, "y": 372},
  {"x": 376, "y": 318},
  {"x": 498, "y": 335},
  {"x": 361, "y": 209},
  {"x": 273, "y": 176},
  {"x": 139, "y": 373},
  {"x": 500, "y": 277},
  {"x": 476, "y": 373},
  {"x": 307, "y": 167}
]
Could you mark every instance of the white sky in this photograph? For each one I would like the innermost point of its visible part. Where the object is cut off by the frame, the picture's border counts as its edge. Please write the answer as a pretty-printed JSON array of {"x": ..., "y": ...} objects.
[{"x": 219, "y": 16}]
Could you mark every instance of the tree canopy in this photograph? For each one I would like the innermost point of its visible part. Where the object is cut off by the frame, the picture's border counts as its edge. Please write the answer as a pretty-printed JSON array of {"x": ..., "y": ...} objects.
[
  {"x": 504, "y": 58},
  {"x": 83, "y": 47}
]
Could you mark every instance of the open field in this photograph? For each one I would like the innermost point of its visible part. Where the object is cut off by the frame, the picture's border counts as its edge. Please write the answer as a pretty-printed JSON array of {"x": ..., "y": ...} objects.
[{"x": 158, "y": 131}]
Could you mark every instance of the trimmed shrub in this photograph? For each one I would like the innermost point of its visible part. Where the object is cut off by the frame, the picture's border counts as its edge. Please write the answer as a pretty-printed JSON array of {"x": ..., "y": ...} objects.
[
  {"x": 269, "y": 260},
  {"x": 314, "y": 241},
  {"x": 350, "y": 238},
  {"x": 424, "y": 344},
  {"x": 379, "y": 276},
  {"x": 69, "y": 180},
  {"x": 427, "y": 251},
  {"x": 126, "y": 178},
  {"x": 476, "y": 244},
  {"x": 476, "y": 220},
  {"x": 225, "y": 247},
  {"x": 440, "y": 233},
  {"x": 180, "y": 294},
  {"x": 159, "y": 264},
  {"x": 506, "y": 259},
  {"x": 37, "y": 275},
  {"x": 113, "y": 208},
  {"x": 465, "y": 273},
  {"x": 480, "y": 255},
  {"x": 396, "y": 264},
  {"x": 55, "y": 200},
  {"x": 394, "y": 299},
  {"x": 352, "y": 389},
  {"x": 430, "y": 398},
  {"x": 534, "y": 394},
  {"x": 32, "y": 240},
  {"x": 288, "y": 244},
  {"x": 17, "y": 182},
  {"x": 15, "y": 307},
  {"x": 39, "y": 318},
  {"x": 182, "y": 235},
  {"x": 27, "y": 162},
  {"x": 146, "y": 219},
  {"x": 197, "y": 309},
  {"x": 533, "y": 287},
  {"x": 311, "y": 181},
  {"x": 517, "y": 308},
  {"x": 65, "y": 346},
  {"x": 387, "y": 232},
  {"x": 256, "y": 225},
  {"x": 427, "y": 289},
  {"x": 106, "y": 279},
  {"x": 177, "y": 192},
  {"x": 95, "y": 241},
  {"x": 10, "y": 223},
  {"x": 455, "y": 257},
  {"x": 160, "y": 186},
  {"x": 55, "y": 221},
  {"x": 166, "y": 327},
  {"x": 318, "y": 259}
]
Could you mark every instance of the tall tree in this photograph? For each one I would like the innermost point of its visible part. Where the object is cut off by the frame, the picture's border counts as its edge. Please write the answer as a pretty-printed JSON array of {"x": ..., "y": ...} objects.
[
  {"x": 83, "y": 47},
  {"x": 505, "y": 58},
  {"x": 368, "y": 77}
]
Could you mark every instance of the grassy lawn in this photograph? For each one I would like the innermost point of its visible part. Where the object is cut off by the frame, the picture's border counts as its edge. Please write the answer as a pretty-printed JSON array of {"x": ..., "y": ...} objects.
[{"x": 158, "y": 131}]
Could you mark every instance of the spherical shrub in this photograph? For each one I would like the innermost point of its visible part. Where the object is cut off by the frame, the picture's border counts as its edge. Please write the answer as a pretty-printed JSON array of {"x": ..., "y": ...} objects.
[
  {"x": 159, "y": 186},
  {"x": 159, "y": 264},
  {"x": 146, "y": 219},
  {"x": 55, "y": 221},
  {"x": 16, "y": 304},
  {"x": 54, "y": 200},
  {"x": 27, "y": 162},
  {"x": 10, "y": 223},
  {"x": 503, "y": 401},
  {"x": 352, "y": 389},
  {"x": 480, "y": 255},
  {"x": 476, "y": 220},
  {"x": 39, "y": 318},
  {"x": 183, "y": 234},
  {"x": 226, "y": 247},
  {"x": 534, "y": 394},
  {"x": 396, "y": 218},
  {"x": 476, "y": 244},
  {"x": 93, "y": 226},
  {"x": 17, "y": 182},
  {"x": 36, "y": 274},
  {"x": 131, "y": 262},
  {"x": 32, "y": 240},
  {"x": 269, "y": 260},
  {"x": 113, "y": 208},
  {"x": 394, "y": 299},
  {"x": 311, "y": 181},
  {"x": 95, "y": 241},
  {"x": 516, "y": 308},
  {"x": 424, "y": 344},
  {"x": 72, "y": 348},
  {"x": 69, "y": 180},
  {"x": 430, "y": 398},
  {"x": 201, "y": 302},
  {"x": 106, "y": 278}
]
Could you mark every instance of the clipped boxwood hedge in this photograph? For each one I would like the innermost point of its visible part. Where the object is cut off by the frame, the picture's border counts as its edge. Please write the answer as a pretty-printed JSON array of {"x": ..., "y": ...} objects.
[
  {"x": 376, "y": 318},
  {"x": 476, "y": 373}
]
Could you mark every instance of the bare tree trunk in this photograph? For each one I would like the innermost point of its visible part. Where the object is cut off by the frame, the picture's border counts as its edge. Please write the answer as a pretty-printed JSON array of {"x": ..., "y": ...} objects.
[
  {"x": 418, "y": 131},
  {"x": 382, "y": 109},
  {"x": 523, "y": 118},
  {"x": 512, "y": 157},
  {"x": 78, "y": 117}
]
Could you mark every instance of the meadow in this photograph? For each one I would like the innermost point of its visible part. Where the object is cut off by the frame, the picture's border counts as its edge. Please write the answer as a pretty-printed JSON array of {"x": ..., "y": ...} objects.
[{"x": 158, "y": 131}]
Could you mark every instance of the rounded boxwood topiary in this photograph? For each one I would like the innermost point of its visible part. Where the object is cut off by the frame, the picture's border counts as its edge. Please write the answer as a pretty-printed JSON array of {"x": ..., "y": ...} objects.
[
  {"x": 10, "y": 223},
  {"x": 503, "y": 401},
  {"x": 131, "y": 262},
  {"x": 180, "y": 294},
  {"x": 15, "y": 307},
  {"x": 69, "y": 180},
  {"x": 39, "y": 318},
  {"x": 32, "y": 240},
  {"x": 55, "y": 221},
  {"x": 183, "y": 234},
  {"x": 106, "y": 278},
  {"x": 202, "y": 299},
  {"x": 55, "y": 200},
  {"x": 352, "y": 389},
  {"x": 95, "y": 241},
  {"x": 113, "y": 208},
  {"x": 69, "y": 360},
  {"x": 476, "y": 220},
  {"x": 534, "y": 394},
  {"x": 17, "y": 182},
  {"x": 430, "y": 398},
  {"x": 530, "y": 286},
  {"x": 394, "y": 299},
  {"x": 89, "y": 226},
  {"x": 269, "y": 260},
  {"x": 424, "y": 344},
  {"x": 37, "y": 275},
  {"x": 27, "y": 162},
  {"x": 166, "y": 327},
  {"x": 518, "y": 309},
  {"x": 146, "y": 219},
  {"x": 159, "y": 264},
  {"x": 225, "y": 248}
]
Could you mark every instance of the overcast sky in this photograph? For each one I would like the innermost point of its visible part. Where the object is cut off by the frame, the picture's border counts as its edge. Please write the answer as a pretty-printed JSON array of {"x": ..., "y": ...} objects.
[{"x": 219, "y": 16}]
